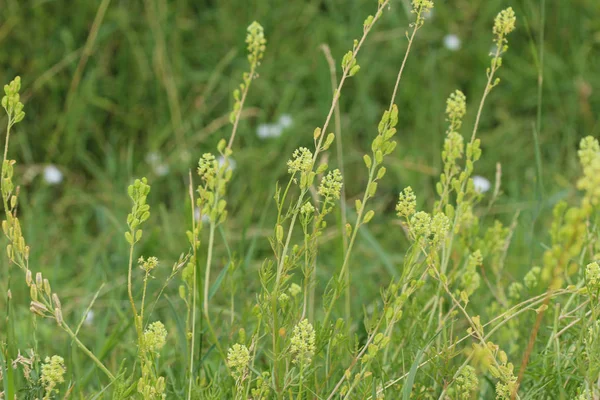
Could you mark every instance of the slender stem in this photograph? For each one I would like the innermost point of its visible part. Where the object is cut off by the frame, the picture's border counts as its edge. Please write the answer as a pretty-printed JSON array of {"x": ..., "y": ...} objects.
[
  {"x": 10, "y": 123},
  {"x": 130, "y": 290},
  {"x": 242, "y": 100},
  {"x": 488, "y": 88},
  {"x": 87, "y": 351},
  {"x": 211, "y": 242},
  {"x": 194, "y": 289},
  {"x": 143, "y": 298},
  {"x": 301, "y": 384}
]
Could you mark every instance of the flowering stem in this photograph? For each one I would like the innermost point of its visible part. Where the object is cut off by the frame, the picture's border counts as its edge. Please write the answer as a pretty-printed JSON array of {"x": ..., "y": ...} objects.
[
  {"x": 130, "y": 290},
  {"x": 360, "y": 212},
  {"x": 318, "y": 147},
  {"x": 242, "y": 100}
]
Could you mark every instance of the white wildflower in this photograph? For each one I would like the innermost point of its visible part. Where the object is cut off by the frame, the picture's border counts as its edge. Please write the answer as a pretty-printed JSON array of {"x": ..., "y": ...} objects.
[
  {"x": 52, "y": 175},
  {"x": 481, "y": 184},
  {"x": 452, "y": 42}
]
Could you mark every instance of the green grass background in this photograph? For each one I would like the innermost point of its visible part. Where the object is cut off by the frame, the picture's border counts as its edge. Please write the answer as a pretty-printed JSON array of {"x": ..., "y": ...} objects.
[{"x": 105, "y": 83}]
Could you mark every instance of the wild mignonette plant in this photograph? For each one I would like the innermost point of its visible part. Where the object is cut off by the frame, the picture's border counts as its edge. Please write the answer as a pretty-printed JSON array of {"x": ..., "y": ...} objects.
[{"x": 450, "y": 323}]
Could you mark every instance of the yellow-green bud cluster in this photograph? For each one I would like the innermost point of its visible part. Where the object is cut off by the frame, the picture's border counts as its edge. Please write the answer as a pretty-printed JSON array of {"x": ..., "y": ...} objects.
[
  {"x": 215, "y": 175},
  {"x": 407, "y": 203},
  {"x": 456, "y": 108},
  {"x": 301, "y": 161},
  {"x": 592, "y": 276},
  {"x": 440, "y": 225},
  {"x": 568, "y": 233},
  {"x": 531, "y": 279},
  {"x": 53, "y": 371},
  {"x": 263, "y": 389},
  {"x": 466, "y": 383},
  {"x": 238, "y": 359},
  {"x": 295, "y": 289},
  {"x": 155, "y": 337},
  {"x": 331, "y": 185},
  {"x": 307, "y": 209},
  {"x": 470, "y": 278},
  {"x": 149, "y": 264},
  {"x": 589, "y": 156},
  {"x": 207, "y": 168},
  {"x": 303, "y": 342},
  {"x": 149, "y": 387},
  {"x": 255, "y": 39},
  {"x": 421, "y": 8},
  {"x": 514, "y": 290},
  {"x": 504, "y": 23},
  {"x": 140, "y": 212},
  {"x": 11, "y": 102},
  {"x": 420, "y": 224}
]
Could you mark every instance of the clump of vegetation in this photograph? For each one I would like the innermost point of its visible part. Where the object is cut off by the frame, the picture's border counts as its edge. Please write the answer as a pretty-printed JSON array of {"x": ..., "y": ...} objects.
[{"x": 296, "y": 334}]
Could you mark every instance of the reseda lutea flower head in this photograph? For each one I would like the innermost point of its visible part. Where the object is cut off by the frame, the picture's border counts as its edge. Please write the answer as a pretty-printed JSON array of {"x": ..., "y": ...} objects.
[
  {"x": 592, "y": 276},
  {"x": 303, "y": 342},
  {"x": 301, "y": 161},
  {"x": 256, "y": 42},
  {"x": 149, "y": 264},
  {"x": 504, "y": 23},
  {"x": 456, "y": 108},
  {"x": 238, "y": 359},
  {"x": 589, "y": 156},
  {"x": 420, "y": 224},
  {"x": 421, "y": 8},
  {"x": 53, "y": 371},
  {"x": 440, "y": 225},
  {"x": 407, "y": 203},
  {"x": 331, "y": 185},
  {"x": 207, "y": 167},
  {"x": 155, "y": 337}
]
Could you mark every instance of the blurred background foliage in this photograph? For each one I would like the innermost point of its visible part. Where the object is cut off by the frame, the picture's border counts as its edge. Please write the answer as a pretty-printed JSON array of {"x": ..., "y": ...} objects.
[{"x": 120, "y": 89}]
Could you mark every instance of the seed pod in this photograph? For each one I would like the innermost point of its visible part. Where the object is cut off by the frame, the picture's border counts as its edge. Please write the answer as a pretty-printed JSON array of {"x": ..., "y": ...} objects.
[
  {"x": 56, "y": 301},
  {"x": 58, "y": 316},
  {"x": 47, "y": 288}
]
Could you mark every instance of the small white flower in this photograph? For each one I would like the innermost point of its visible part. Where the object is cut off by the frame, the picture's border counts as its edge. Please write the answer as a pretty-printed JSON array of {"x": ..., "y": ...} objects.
[
  {"x": 265, "y": 131},
  {"x": 232, "y": 163},
  {"x": 481, "y": 184},
  {"x": 161, "y": 169},
  {"x": 285, "y": 121},
  {"x": 452, "y": 42},
  {"x": 52, "y": 175},
  {"x": 89, "y": 318}
]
